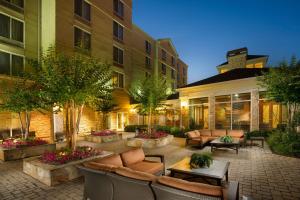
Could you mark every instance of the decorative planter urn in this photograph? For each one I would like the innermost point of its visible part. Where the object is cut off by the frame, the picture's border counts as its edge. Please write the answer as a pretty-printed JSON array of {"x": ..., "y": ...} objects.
[
  {"x": 55, "y": 174},
  {"x": 25, "y": 152}
]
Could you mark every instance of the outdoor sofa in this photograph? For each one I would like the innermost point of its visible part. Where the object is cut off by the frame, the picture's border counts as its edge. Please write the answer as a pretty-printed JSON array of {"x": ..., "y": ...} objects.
[
  {"x": 112, "y": 182},
  {"x": 202, "y": 137}
]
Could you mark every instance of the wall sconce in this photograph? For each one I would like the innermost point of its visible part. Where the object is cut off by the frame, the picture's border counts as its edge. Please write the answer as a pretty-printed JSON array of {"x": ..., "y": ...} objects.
[{"x": 184, "y": 104}]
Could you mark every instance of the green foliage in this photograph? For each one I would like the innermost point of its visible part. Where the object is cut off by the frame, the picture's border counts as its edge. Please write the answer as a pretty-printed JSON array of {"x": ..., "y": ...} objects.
[
  {"x": 226, "y": 139},
  {"x": 132, "y": 128},
  {"x": 201, "y": 160},
  {"x": 285, "y": 143}
]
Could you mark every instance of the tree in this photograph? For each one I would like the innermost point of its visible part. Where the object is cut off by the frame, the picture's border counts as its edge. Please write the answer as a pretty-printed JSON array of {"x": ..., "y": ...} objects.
[
  {"x": 105, "y": 105},
  {"x": 149, "y": 94},
  {"x": 283, "y": 86},
  {"x": 20, "y": 96},
  {"x": 71, "y": 82}
]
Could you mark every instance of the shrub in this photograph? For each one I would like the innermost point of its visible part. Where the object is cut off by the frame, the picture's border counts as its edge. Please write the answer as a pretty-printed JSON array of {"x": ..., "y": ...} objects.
[
  {"x": 19, "y": 143},
  {"x": 166, "y": 129},
  {"x": 132, "y": 128},
  {"x": 285, "y": 143},
  {"x": 156, "y": 135},
  {"x": 260, "y": 133}
]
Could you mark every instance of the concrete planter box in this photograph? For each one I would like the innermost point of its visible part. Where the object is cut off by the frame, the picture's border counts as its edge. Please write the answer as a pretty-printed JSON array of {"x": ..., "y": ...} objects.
[
  {"x": 102, "y": 139},
  {"x": 55, "y": 174},
  {"x": 25, "y": 152},
  {"x": 150, "y": 143}
]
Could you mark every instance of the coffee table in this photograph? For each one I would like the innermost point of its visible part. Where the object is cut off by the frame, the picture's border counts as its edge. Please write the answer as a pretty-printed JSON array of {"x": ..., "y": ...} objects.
[
  {"x": 217, "y": 143},
  {"x": 216, "y": 171}
]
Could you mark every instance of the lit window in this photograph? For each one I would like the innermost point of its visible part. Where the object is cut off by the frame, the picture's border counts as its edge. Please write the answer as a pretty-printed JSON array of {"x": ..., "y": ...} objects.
[
  {"x": 82, "y": 9},
  {"x": 11, "y": 28},
  {"x": 118, "y": 55},
  {"x": 258, "y": 65},
  {"x": 118, "y": 80},
  {"x": 119, "y": 8},
  {"x": 223, "y": 70},
  {"x": 249, "y": 66},
  {"x": 118, "y": 31},
  {"x": 82, "y": 39}
]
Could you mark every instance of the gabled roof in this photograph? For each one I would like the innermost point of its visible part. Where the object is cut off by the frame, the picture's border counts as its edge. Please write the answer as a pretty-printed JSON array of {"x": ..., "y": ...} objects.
[
  {"x": 233, "y": 74},
  {"x": 170, "y": 42}
]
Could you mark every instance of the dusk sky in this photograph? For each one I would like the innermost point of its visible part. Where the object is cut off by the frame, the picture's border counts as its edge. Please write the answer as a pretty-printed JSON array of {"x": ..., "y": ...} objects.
[{"x": 204, "y": 30}]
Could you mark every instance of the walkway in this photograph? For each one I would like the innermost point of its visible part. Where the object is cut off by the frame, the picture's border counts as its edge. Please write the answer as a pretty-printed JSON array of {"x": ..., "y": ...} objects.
[{"x": 261, "y": 174}]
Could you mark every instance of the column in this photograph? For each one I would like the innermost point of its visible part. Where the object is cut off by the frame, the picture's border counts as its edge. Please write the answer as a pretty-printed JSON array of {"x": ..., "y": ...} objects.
[
  {"x": 254, "y": 125},
  {"x": 211, "y": 107}
]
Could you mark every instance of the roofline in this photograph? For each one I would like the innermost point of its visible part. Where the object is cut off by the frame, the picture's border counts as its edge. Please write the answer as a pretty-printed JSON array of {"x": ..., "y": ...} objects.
[
  {"x": 262, "y": 56},
  {"x": 172, "y": 45},
  {"x": 136, "y": 26}
]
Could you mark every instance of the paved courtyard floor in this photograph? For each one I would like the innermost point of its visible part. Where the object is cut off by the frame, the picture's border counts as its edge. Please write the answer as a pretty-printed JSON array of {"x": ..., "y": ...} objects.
[{"x": 261, "y": 174}]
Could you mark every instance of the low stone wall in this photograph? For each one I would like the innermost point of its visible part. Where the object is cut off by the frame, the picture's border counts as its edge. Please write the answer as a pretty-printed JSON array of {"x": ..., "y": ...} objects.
[
  {"x": 102, "y": 139},
  {"x": 25, "y": 152},
  {"x": 150, "y": 143},
  {"x": 55, "y": 174}
]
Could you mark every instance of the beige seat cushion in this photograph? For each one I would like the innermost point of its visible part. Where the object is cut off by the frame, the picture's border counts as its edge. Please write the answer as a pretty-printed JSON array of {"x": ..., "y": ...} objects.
[
  {"x": 205, "y": 132},
  {"x": 132, "y": 156},
  {"x": 124, "y": 171},
  {"x": 111, "y": 160},
  {"x": 218, "y": 132},
  {"x": 192, "y": 134},
  {"x": 99, "y": 166},
  {"x": 236, "y": 133},
  {"x": 199, "y": 188},
  {"x": 147, "y": 166},
  {"x": 206, "y": 139}
]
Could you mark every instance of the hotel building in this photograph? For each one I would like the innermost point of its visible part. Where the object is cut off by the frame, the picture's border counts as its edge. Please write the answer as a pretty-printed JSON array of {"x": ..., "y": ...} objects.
[{"x": 104, "y": 30}]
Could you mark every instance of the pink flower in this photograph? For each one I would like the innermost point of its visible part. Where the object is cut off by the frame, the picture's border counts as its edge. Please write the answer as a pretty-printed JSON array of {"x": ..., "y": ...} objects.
[{"x": 104, "y": 133}]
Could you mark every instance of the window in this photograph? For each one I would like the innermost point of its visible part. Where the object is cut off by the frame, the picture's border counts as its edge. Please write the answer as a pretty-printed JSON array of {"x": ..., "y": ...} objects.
[
  {"x": 249, "y": 66},
  {"x": 241, "y": 111},
  {"x": 82, "y": 9},
  {"x": 118, "y": 80},
  {"x": 11, "y": 28},
  {"x": 11, "y": 64},
  {"x": 148, "y": 47},
  {"x": 163, "y": 69},
  {"x": 173, "y": 61},
  {"x": 82, "y": 39},
  {"x": 173, "y": 73},
  {"x": 118, "y": 31},
  {"x": 198, "y": 112},
  {"x": 164, "y": 55},
  {"x": 17, "y": 5},
  {"x": 223, "y": 112},
  {"x": 148, "y": 62},
  {"x": 178, "y": 77},
  {"x": 178, "y": 67},
  {"x": 258, "y": 65},
  {"x": 118, "y": 55},
  {"x": 119, "y": 8}
]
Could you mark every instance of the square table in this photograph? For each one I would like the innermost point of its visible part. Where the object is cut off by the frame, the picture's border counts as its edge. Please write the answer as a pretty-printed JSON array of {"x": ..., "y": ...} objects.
[
  {"x": 217, "y": 143},
  {"x": 217, "y": 170}
]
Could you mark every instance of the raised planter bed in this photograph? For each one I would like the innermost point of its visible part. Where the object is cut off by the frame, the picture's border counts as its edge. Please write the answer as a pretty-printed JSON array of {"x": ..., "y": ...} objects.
[
  {"x": 102, "y": 139},
  {"x": 55, "y": 174},
  {"x": 150, "y": 143},
  {"x": 25, "y": 152}
]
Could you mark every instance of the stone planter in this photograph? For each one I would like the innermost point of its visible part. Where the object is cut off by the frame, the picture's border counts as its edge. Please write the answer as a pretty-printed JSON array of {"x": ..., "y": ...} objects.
[
  {"x": 25, "y": 152},
  {"x": 55, "y": 174},
  {"x": 150, "y": 143},
  {"x": 102, "y": 139}
]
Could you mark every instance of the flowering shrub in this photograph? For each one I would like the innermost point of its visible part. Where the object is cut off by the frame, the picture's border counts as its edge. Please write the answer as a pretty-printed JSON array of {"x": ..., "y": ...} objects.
[
  {"x": 156, "y": 135},
  {"x": 67, "y": 155},
  {"x": 104, "y": 133},
  {"x": 19, "y": 143}
]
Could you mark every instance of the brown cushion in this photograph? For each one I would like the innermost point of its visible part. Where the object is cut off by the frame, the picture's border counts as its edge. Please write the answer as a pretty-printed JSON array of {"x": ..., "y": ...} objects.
[
  {"x": 205, "y": 132},
  {"x": 147, "y": 166},
  {"x": 132, "y": 156},
  {"x": 197, "y": 132},
  {"x": 206, "y": 139},
  {"x": 236, "y": 133},
  {"x": 99, "y": 166},
  {"x": 124, "y": 171},
  {"x": 199, "y": 188},
  {"x": 111, "y": 160},
  {"x": 192, "y": 134},
  {"x": 218, "y": 133}
]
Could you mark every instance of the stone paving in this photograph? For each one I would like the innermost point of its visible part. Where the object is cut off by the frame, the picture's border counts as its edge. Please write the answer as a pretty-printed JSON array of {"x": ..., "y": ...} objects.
[{"x": 261, "y": 174}]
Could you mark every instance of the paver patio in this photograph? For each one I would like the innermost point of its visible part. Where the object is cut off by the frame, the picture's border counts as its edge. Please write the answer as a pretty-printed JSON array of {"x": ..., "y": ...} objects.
[{"x": 261, "y": 174}]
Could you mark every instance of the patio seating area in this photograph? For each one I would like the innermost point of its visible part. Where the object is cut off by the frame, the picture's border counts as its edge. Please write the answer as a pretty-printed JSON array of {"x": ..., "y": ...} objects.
[{"x": 260, "y": 173}]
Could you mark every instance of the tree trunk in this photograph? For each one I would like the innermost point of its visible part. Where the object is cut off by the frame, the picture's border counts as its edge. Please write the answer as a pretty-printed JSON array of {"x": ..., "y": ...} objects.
[
  {"x": 21, "y": 123},
  {"x": 27, "y": 123},
  {"x": 149, "y": 121},
  {"x": 67, "y": 124}
]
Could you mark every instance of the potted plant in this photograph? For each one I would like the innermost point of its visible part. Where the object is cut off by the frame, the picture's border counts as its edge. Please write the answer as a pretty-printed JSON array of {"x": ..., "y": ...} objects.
[
  {"x": 200, "y": 160},
  {"x": 226, "y": 139}
]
